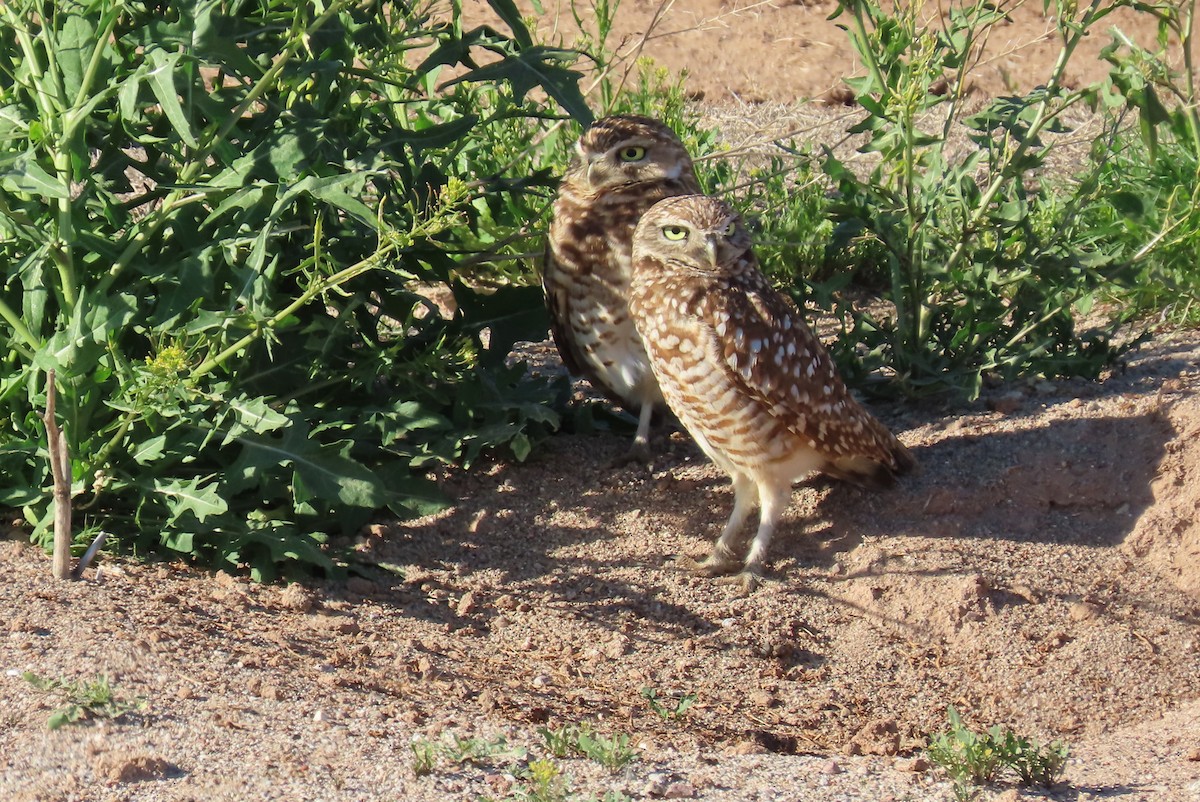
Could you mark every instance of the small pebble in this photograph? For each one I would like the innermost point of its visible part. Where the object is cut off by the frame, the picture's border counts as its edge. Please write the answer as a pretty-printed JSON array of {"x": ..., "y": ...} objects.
[
  {"x": 656, "y": 784},
  {"x": 679, "y": 790}
]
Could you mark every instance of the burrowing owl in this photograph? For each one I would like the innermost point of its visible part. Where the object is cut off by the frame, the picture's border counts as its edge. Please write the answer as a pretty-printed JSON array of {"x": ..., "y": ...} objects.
[
  {"x": 744, "y": 374},
  {"x": 621, "y": 167}
]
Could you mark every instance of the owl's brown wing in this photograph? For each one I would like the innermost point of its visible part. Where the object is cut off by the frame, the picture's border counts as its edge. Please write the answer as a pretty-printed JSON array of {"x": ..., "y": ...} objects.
[
  {"x": 776, "y": 360},
  {"x": 557, "y": 302},
  {"x": 556, "y": 286}
]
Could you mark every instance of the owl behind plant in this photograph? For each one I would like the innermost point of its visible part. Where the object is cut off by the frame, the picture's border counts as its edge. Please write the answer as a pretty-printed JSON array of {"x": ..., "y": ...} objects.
[
  {"x": 745, "y": 375},
  {"x": 622, "y": 166}
]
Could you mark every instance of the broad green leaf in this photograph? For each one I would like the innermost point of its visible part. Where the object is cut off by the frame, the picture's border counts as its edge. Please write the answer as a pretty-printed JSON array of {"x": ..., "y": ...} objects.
[
  {"x": 507, "y": 11},
  {"x": 162, "y": 83},
  {"x": 184, "y": 496},
  {"x": 24, "y": 175},
  {"x": 318, "y": 471},
  {"x": 149, "y": 451},
  {"x": 254, "y": 415},
  {"x": 73, "y": 48},
  {"x": 538, "y": 66},
  {"x": 342, "y": 191}
]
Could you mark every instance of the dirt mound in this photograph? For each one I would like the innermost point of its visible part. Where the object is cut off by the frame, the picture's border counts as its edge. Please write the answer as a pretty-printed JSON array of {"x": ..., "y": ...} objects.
[{"x": 1167, "y": 535}]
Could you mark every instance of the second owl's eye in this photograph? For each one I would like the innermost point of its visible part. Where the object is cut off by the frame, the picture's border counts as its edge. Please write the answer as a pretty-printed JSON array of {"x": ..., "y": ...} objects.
[
  {"x": 729, "y": 229},
  {"x": 633, "y": 153},
  {"x": 675, "y": 233}
]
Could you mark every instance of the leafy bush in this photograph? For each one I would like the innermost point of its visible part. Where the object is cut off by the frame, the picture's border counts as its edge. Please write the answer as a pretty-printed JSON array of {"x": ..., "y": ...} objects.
[
  {"x": 981, "y": 281},
  {"x": 223, "y": 226},
  {"x": 1148, "y": 191}
]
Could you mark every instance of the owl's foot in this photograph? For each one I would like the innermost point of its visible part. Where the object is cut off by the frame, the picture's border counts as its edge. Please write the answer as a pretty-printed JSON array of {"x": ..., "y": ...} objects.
[
  {"x": 747, "y": 581},
  {"x": 638, "y": 453},
  {"x": 719, "y": 563}
]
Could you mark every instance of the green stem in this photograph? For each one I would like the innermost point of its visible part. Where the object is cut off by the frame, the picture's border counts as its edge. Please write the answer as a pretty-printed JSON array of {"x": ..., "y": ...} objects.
[
  {"x": 101, "y": 456},
  {"x": 865, "y": 51},
  {"x": 45, "y": 100},
  {"x": 18, "y": 325},
  {"x": 907, "y": 318},
  {"x": 1040, "y": 120},
  {"x": 62, "y": 251},
  {"x": 317, "y": 288},
  {"x": 1185, "y": 36}
]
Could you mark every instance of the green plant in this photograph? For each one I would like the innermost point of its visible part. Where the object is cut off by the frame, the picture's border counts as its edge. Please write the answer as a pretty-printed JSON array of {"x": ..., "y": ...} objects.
[
  {"x": 224, "y": 223},
  {"x": 972, "y": 759},
  {"x": 673, "y": 712},
  {"x": 425, "y": 756},
  {"x": 84, "y": 700},
  {"x": 544, "y": 782},
  {"x": 1149, "y": 197},
  {"x": 428, "y": 754},
  {"x": 612, "y": 752},
  {"x": 986, "y": 270},
  {"x": 1033, "y": 763},
  {"x": 969, "y": 759},
  {"x": 562, "y": 741}
]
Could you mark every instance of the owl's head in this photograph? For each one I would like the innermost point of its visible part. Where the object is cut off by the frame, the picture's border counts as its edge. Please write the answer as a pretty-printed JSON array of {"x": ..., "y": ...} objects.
[
  {"x": 627, "y": 149},
  {"x": 697, "y": 233}
]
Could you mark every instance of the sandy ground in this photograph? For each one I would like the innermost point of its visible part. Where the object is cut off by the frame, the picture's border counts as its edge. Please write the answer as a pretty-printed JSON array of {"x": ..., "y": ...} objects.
[
  {"x": 1041, "y": 571},
  {"x": 751, "y": 51}
]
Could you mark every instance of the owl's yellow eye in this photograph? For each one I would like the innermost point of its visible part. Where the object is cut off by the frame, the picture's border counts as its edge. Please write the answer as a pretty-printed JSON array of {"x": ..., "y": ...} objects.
[
  {"x": 729, "y": 229},
  {"x": 675, "y": 233},
  {"x": 633, "y": 153}
]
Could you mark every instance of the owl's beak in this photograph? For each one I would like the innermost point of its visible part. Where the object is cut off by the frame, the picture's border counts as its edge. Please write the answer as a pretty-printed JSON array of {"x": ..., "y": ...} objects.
[
  {"x": 710, "y": 250},
  {"x": 591, "y": 172}
]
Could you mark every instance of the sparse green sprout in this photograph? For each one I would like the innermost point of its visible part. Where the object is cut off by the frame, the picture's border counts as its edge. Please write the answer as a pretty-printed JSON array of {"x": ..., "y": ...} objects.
[
  {"x": 1034, "y": 763},
  {"x": 560, "y": 742},
  {"x": 668, "y": 712},
  {"x": 83, "y": 701},
  {"x": 612, "y": 752},
  {"x": 425, "y": 756},
  {"x": 428, "y": 754}
]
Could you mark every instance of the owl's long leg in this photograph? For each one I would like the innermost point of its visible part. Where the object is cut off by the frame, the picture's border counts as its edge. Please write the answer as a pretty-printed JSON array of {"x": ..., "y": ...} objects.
[
  {"x": 640, "y": 450},
  {"x": 774, "y": 500},
  {"x": 723, "y": 559}
]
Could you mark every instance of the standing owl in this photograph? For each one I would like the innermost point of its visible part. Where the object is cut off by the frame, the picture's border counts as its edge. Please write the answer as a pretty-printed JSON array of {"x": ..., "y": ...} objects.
[
  {"x": 622, "y": 166},
  {"x": 744, "y": 374}
]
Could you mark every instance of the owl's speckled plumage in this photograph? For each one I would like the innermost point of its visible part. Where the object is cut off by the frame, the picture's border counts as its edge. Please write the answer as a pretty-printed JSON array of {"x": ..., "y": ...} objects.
[
  {"x": 739, "y": 366},
  {"x": 622, "y": 166}
]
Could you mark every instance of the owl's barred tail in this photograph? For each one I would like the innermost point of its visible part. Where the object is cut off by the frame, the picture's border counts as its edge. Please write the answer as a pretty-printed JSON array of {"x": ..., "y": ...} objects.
[{"x": 871, "y": 473}]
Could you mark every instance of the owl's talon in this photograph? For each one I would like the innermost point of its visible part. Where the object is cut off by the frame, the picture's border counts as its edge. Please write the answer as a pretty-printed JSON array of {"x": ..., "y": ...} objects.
[
  {"x": 747, "y": 581},
  {"x": 714, "y": 565},
  {"x": 638, "y": 453}
]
